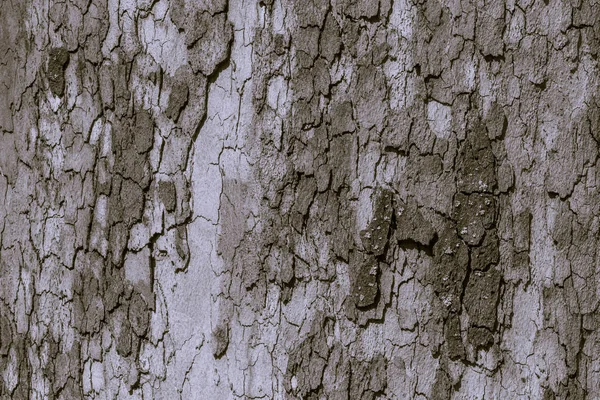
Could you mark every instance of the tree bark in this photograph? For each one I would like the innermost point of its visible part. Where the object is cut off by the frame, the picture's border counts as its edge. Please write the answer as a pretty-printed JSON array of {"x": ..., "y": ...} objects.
[{"x": 313, "y": 199}]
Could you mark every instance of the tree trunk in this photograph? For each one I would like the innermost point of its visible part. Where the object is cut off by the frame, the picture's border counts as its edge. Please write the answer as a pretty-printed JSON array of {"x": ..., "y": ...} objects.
[{"x": 345, "y": 199}]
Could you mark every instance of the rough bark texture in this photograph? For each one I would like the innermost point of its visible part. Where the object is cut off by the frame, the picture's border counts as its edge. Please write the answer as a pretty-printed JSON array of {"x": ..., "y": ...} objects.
[{"x": 314, "y": 199}]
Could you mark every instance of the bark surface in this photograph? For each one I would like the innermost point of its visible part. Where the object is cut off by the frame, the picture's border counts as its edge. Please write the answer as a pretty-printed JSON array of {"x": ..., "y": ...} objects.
[{"x": 312, "y": 199}]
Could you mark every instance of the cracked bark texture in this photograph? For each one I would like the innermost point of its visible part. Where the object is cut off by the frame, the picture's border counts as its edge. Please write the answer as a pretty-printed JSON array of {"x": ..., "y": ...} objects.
[{"x": 314, "y": 199}]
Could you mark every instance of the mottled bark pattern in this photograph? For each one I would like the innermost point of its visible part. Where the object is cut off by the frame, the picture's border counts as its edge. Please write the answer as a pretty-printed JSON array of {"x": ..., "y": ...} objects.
[{"x": 316, "y": 199}]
